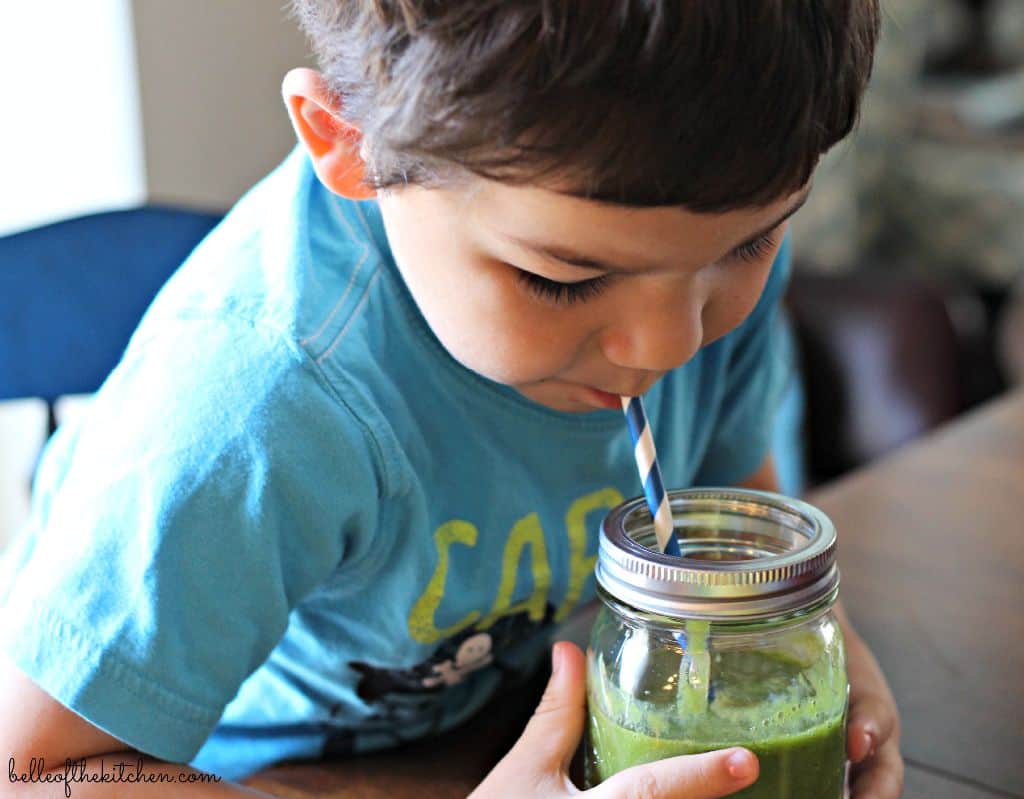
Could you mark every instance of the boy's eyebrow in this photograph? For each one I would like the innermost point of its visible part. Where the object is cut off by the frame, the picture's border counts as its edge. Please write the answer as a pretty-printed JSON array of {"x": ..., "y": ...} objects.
[{"x": 584, "y": 262}]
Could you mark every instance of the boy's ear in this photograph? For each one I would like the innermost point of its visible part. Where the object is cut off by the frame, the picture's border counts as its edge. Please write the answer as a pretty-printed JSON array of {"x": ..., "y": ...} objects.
[{"x": 332, "y": 143}]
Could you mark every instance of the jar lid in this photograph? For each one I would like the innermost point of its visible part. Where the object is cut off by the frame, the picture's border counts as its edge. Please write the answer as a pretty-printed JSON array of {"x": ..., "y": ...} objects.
[{"x": 746, "y": 554}]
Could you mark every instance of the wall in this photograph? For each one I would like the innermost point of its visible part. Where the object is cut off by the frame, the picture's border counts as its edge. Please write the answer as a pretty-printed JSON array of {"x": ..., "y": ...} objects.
[
  {"x": 71, "y": 141},
  {"x": 209, "y": 81}
]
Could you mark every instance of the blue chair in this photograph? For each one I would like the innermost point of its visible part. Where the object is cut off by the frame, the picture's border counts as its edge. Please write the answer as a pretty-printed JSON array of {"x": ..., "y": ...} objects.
[{"x": 71, "y": 294}]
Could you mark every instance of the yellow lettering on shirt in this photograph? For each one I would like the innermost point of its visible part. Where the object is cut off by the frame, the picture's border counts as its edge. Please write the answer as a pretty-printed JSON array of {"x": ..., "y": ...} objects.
[
  {"x": 581, "y": 565},
  {"x": 422, "y": 626},
  {"x": 526, "y": 531}
]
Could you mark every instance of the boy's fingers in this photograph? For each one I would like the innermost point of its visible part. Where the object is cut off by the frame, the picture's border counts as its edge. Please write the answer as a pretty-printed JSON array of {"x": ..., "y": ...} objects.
[
  {"x": 872, "y": 722},
  {"x": 553, "y": 732},
  {"x": 704, "y": 776},
  {"x": 881, "y": 777}
]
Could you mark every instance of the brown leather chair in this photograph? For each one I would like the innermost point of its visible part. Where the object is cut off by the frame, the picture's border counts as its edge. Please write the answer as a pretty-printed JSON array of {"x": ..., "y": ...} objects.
[{"x": 884, "y": 360}]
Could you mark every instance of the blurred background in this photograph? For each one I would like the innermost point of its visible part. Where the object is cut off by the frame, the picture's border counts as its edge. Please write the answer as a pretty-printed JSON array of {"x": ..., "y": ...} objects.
[{"x": 908, "y": 298}]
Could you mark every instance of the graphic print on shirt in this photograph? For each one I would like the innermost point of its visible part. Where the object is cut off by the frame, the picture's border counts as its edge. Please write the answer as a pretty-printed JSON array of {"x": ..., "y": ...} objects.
[{"x": 416, "y": 695}]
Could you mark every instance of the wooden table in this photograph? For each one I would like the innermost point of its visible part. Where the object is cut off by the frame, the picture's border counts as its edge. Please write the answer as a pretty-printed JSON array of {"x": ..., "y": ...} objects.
[{"x": 932, "y": 559}]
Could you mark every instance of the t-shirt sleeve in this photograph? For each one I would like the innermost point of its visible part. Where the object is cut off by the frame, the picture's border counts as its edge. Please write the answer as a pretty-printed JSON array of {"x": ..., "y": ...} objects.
[
  {"x": 215, "y": 481},
  {"x": 758, "y": 367}
]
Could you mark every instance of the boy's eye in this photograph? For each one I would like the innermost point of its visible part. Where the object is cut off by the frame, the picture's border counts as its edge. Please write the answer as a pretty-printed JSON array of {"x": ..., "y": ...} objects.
[
  {"x": 562, "y": 293},
  {"x": 583, "y": 290},
  {"x": 756, "y": 250}
]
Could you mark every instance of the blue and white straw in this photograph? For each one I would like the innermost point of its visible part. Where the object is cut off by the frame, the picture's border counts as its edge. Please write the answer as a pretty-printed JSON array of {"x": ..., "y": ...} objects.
[
  {"x": 650, "y": 475},
  {"x": 695, "y": 689}
]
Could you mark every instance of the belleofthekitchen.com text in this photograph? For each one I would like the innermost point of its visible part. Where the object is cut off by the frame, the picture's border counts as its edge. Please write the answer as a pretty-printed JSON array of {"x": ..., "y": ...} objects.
[{"x": 101, "y": 770}]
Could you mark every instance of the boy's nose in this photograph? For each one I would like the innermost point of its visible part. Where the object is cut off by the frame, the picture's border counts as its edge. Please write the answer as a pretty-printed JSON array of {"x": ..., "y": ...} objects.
[{"x": 655, "y": 339}]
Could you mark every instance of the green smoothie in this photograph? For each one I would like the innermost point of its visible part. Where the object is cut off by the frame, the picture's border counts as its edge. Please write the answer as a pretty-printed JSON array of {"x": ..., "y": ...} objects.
[
  {"x": 783, "y": 705},
  {"x": 806, "y": 765}
]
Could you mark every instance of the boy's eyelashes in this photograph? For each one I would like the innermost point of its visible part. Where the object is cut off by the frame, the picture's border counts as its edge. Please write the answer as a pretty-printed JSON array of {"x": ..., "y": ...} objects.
[
  {"x": 581, "y": 290},
  {"x": 562, "y": 293},
  {"x": 755, "y": 250}
]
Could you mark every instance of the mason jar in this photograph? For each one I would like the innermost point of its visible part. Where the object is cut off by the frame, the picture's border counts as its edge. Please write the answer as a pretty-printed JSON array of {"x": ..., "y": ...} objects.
[{"x": 734, "y": 644}]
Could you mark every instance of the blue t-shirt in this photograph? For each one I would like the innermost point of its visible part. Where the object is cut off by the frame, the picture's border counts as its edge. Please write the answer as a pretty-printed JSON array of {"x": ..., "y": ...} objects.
[{"x": 290, "y": 524}]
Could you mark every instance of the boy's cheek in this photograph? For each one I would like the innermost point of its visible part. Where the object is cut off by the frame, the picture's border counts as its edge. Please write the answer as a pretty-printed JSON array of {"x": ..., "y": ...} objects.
[
  {"x": 495, "y": 332},
  {"x": 728, "y": 309},
  {"x": 510, "y": 354},
  {"x": 722, "y": 317}
]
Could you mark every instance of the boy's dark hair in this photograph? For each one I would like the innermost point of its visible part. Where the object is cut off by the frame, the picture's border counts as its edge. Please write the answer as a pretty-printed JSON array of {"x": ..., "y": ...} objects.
[{"x": 708, "y": 104}]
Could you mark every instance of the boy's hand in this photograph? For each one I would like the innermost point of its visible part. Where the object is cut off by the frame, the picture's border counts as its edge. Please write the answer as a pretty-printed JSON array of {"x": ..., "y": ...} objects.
[
  {"x": 538, "y": 764},
  {"x": 873, "y": 730}
]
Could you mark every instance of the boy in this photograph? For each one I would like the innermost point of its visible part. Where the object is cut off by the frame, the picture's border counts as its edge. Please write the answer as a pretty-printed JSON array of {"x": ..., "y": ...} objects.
[{"x": 351, "y": 466}]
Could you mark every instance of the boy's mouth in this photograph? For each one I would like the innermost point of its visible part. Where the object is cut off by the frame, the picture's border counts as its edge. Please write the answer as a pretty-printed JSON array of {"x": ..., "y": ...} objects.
[
  {"x": 603, "y": 399},
  {"x": 580, "y": 396}
]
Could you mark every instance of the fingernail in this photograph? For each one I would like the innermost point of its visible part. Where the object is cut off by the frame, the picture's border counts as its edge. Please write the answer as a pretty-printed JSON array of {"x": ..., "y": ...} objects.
[
  {"x": 871, "y": 739},
  {"x": 556, "y": 659},
  {"x": 738, "y": 764},
  {"x": 868, "y": 745}
]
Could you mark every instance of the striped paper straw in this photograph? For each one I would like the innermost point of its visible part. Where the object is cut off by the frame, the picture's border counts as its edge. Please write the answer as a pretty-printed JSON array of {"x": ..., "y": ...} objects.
[
  {"x": 695, "y": 667},
  {"x": 650, "y": 474}
]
